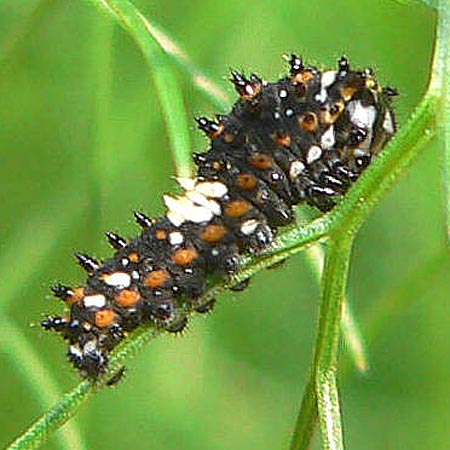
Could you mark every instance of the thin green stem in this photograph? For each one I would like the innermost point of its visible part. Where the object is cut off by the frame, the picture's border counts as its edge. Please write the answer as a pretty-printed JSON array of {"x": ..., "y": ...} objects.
[
  {"x": 30, "y": 367},
  {"x": 166, "y": 83},
  {"x": 306, "y": 419},
  {"x": 53, "y": 419},
  {"x": 169, "y": 93},
  {"x": 198, "y": 77},
  {"x": 321, "y": 398},
  {"x": 325, "y": 358},
  {"x": 354, "y": 340},
  {"x": 441, "y": 85}
]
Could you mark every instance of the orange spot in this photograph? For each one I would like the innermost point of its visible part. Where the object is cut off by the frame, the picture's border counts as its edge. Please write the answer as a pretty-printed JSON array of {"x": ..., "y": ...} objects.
[
  {"x": 161, "y": 235},
  {"x": 156, "y": 278},
  {"x": 246, "y": 181},
  {"x": 184, "y": 256},
  {"x": 308, "y": 121},
  {"x": 76, "y": 297},
  {"x": 104, "y": 318},
  {"x": 283, "y": 140},
  {"x": 347, "y": 92},
  {"x": 237, "y": 208},
  {"x": 217, "y": 165},
  {"x": 213, "y": 233},
  {"x": 127, "y": 298},
  {"x": 303, "y": 77},
  {"x": 133, "y": 257},
  {"x": 261, "y": 161},
  {"x": 228, "y": 137}
]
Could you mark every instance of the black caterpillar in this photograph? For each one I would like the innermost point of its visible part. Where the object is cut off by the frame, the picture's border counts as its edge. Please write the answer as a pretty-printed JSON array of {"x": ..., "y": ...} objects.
[{"x": 305, "y": 138}]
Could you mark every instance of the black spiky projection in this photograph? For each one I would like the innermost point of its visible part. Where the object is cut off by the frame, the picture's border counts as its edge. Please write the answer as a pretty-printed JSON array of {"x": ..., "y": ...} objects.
[{"x": 302, "y": 139}]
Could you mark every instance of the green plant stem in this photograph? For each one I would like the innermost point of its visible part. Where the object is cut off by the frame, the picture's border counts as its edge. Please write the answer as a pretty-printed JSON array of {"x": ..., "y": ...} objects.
[
  {"x": 53, "y": 419},
  {"x": 30, "y": 367},
  {"x": 440, "y": 84},
  {"x": 306, "y": 422},
  {"x": 355, "y": 343},
  {"x": 325, "y": 360},
  {"x": 166, "y": 83},
  {"x": 321, "y": 398},
  {"x": 199, "y": 78}
]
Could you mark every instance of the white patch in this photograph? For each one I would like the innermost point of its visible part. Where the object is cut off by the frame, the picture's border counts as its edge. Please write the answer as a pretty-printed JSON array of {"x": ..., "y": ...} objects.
[
  {"x": 362, "y": 116},
  {"x": 135, "y": 275},
  {"x": 120, "y": 280},
  {"x": 297, "y": 167},
  {"x": 289, "y": 112},
  {"x": 75, "y": 350},
  {"x": 125, "y": 262},
  {"x": 276, "y": 115},
  {"x": 182, "y": 208},
  {"x": 249, "y": 227},
  {"x": 275, "y": 176},
  {"x": 175, "y": 218},
  {"x": 283, "y": 93},
  {"x": 211, "y": 189},
  {"x": 188, "y": 184},
  {"x": 314, "y": 153},
  {"x": 388, "y": 123},
  {"x": 327, "y": 80},
  {"x": 94, "y": 301},
  {"x": 201, "y": 200},
  {"x": 176, "y": 238},
  {"x": 327, "y": 140}
]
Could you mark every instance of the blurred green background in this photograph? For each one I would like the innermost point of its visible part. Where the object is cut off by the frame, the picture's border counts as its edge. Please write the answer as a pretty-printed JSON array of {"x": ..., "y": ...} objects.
[{"x": 83, "y": 143}]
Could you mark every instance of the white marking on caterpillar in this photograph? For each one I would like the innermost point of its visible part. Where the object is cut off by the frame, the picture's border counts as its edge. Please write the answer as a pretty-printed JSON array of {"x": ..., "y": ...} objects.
[
  {"x": 249, "y": 227},
  {"x": 119, "y": 280},
  {"x": 388, "y": 123},
  {"x": 283, "y": 93},
  {"x": 327, "y": 79},
  {"x": 176, "y": 238},
  {"x": 94, "y": 301},
  {"x": 362, "y": 116},
  {"x": 212, "y": 189},
  {"x": 297, "y": 167},
  {"x": 201, "y": 200},
  {"x": 327, "y": 140},
  {"x": 314, "y": 153},
  {"x": 188, "y": 184},
  {"x": 75, "y": 350},
  {"x": 135, "y": 275},
  {"x": 185, "y": 209},
  {"x": 175, "y": 218}
]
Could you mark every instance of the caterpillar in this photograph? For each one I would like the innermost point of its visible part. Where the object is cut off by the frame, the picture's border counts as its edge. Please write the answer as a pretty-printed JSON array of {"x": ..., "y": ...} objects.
[{"x": 305, "y": 138}]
